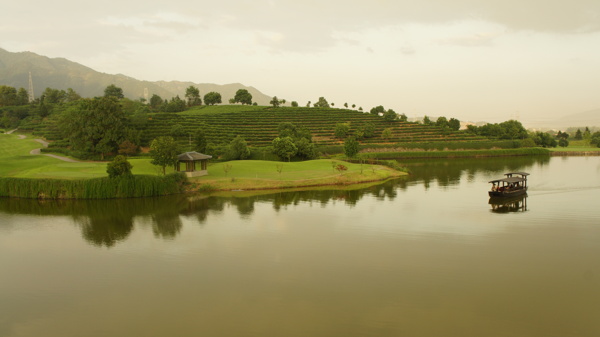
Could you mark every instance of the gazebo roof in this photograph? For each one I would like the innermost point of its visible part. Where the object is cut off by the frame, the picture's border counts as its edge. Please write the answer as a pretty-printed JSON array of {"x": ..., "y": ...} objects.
[{"x": 193, "y": 156}]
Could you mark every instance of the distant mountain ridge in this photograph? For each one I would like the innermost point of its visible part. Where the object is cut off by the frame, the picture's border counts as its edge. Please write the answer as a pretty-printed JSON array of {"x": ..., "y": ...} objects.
[{"x": 60, "y": 73}]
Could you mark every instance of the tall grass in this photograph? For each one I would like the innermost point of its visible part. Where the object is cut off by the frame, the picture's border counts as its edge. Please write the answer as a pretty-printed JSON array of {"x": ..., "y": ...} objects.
[{"x": 99, "y": 188}]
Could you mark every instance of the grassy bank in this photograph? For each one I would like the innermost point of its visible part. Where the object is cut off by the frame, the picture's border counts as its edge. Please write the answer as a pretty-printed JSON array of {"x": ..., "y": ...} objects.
[
  {"x": 256, "y": 175},
  {"x": 456, "y": 154}
]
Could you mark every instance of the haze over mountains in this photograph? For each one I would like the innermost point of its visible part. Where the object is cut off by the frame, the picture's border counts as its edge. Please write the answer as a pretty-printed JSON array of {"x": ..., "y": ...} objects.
[{"x": 60, "y": 73}]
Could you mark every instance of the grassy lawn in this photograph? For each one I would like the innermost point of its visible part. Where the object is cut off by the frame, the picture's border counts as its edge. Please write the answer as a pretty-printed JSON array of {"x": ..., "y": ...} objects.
[
  {"x": 246, "y": 174},
  {"x": 17, "y": 162},
  {"x": 576, "y": 146},
  {"x": 256, "y": 174}
]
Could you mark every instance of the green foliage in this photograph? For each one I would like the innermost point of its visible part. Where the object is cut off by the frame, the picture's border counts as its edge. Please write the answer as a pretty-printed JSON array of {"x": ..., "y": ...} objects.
[
  {"x": 242, "y": 96},
  {"x": 341, "y": 130},
  {"x": 506, "y": 130},
  {"x": 177, "y": 130},
  {"x": 95, "y": 125},
  {"x": 321, "y": 103},
  {"x": 544, "y": 139},
  {"x": 386, "y": 133},
  {"x": 562, "y": 142},
  {"x": 306, "y": 148},
  {"x": 454, "y": 124},
  {"x": 238, "y": 149},
  {"x": 595, "y": 139},
  {"x": 275, "y": 102},
  {"x": 284, "y": 147},
  {"x": 156, "y": 102},
  {"x": 127, "y": 186},
  {"x": 200, "y": 140},
  {"x": 351, "y": 147},
  {"x": 390, "y": 116},
  {"x": 377, "y": 110},
  {"x": 192, "y": 96},
  {"x": 294, "y": 104},
  {"x": 578, "y": 135},
  {"x": 176, "y": 104},
  {"x": 164, "y": 151},
  {"x": 128, "y": 148},
  {"x": 118, "y": 167},
  {"x": 113, "y": 91},
  {"x": 212, "y": 98}
]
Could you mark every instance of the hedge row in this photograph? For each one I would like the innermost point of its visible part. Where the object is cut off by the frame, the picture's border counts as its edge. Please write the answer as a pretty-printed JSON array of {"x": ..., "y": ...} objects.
[{"x": 99, "y": 188}]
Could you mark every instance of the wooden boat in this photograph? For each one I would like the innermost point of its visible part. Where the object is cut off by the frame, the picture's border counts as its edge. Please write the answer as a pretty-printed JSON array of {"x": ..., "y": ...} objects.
[
  {"x": 512, "y": 185},
  {"x": 509, "y": 204}
]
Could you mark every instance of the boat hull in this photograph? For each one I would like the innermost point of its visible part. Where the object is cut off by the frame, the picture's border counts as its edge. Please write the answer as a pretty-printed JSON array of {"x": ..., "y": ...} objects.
[{"x": 508, "y": 193}]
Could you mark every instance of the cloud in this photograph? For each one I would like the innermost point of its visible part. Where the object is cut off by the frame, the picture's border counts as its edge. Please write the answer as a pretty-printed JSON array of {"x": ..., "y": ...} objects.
[{"x": 475, "y": 40}]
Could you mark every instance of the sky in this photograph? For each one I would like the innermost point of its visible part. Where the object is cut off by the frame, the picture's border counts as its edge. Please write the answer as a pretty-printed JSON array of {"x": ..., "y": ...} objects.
[{"x": 493, "y": 60}]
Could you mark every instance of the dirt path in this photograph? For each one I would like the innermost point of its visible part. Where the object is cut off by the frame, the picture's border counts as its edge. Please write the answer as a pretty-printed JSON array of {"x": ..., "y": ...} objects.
[{"x": 45, "y": 144}]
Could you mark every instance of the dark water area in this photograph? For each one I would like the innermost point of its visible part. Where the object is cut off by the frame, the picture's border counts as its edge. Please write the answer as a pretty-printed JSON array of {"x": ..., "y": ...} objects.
[{"x": 426, "y": 255}]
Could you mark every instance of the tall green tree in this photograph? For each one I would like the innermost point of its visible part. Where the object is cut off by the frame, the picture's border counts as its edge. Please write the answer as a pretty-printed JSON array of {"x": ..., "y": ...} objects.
[
  {"x": 377, "y": 110},
  {"x": 164, "y": 152},
  {"x": 351, "y": 147},
  {"x": 155, "y": 102},
  {"x": 390, "y": 116},
  {"x": 212, "y": 98},
  {"x": 284, "y": 147},
  {"x": 238, "y": 149},
  {"x": 95, "y": 126},
  {"x": 242, "y": 96},
  {"x": 113, "y": 91},
  {"x": 454, "y": 124},
  {"x": 192, "y": 96}
]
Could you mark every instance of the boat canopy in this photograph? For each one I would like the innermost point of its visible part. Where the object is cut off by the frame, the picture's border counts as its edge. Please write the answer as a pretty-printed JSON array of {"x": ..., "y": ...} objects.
[
  {"x": 523, "y": 174},
  {"x": 508, "y": 180}
]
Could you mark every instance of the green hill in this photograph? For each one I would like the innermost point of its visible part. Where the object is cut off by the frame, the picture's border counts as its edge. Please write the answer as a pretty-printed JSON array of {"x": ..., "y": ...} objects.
[{"x": 258, "y": 125}]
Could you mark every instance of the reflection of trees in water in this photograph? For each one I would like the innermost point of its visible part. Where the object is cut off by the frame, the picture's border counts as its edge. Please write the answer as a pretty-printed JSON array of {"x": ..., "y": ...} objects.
[
  {"x": 448, "y": 172},
  {"x": 106, "y": 222}
]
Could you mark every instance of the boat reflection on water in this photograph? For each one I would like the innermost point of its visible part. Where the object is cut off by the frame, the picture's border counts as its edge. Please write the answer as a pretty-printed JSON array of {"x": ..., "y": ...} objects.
[{"x": 507, "y": 205}]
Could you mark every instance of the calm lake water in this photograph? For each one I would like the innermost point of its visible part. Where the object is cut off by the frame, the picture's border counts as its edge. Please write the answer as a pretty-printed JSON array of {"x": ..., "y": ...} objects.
[{"x": 421, "y": 256}]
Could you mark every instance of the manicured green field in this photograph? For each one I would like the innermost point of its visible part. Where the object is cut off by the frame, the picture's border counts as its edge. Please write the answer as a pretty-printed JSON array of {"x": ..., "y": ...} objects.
[
  {"x": 247, "y": 174},
  {"x": 17, "y": 162}
]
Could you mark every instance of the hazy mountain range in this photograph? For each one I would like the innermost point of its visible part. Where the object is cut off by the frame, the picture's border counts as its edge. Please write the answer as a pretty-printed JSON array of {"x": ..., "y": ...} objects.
[{"x": 60, "y": 73}]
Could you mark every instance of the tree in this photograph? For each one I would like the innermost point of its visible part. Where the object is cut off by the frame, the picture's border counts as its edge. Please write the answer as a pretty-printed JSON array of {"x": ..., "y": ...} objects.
[
  {"x": 441, "y": 122},
  {"x": 238, "y": 149},
  {"x": 192, "y": 96},
  {"x": 306, "y": 148},
  {"x": 386, "y": 133},
  {"x": 164, "y": 151},
  {"x": 72, "y": 95},
  {"x": 341, "y": 130},
  {"x": 275, "y": 102},
  {"x": 353, "y": 106},
  {"x": 390, "y": 116},
  {"x": 119, "y": 167},
  {"x": 454, "y": 124},
  {"x": 156, "y": 102},
  {"x": 284, "y": 147},
  {"x": 96, "y": 125},
  {"x": 113, "y": 91},
  {"x": 563, "y": 142},
  {"x": 54, "y": 96},
  {"x": 294, "y": 104},
  {"x": 377, "y": 110},
  {"x": 351, "y": 147},
  {"x": 346, "y": 105},
  {"x": 426, "y": 120},
  {"x": 321, "y": 103},
  {"x": 578, "y": 135},
  {"x": 175, "y": 105},
  {"x": 128, "y": 148},
  {"x": 177, "y": 131},
  {"x": 242, "y": 96},
  {"x": 212, "y": 98},
  {"x": 200, "y": 140}
]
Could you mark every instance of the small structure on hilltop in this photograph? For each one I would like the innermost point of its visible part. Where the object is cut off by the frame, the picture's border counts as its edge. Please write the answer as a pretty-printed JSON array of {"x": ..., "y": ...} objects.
[{"x": 190, "y": 159}]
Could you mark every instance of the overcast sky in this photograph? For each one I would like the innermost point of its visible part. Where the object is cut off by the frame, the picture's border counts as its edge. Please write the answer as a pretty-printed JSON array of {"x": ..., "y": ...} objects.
[{"x": 471, "y": 59}]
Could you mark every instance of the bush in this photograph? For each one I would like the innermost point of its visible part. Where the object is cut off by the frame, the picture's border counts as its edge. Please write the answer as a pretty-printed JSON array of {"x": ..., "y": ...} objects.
[{"x": 118, "y": 167}]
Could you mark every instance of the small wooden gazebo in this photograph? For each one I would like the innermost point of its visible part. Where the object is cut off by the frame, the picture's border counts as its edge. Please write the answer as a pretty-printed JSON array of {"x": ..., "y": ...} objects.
[{"x": 190, "y": 159}]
